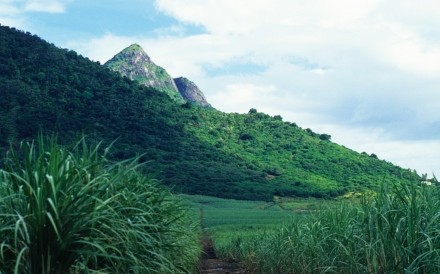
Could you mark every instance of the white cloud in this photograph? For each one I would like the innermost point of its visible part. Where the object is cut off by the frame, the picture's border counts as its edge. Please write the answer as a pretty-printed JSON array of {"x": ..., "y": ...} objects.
[
  {"x": 8, "y": 7},
  {"x": 50, "y": 6},
  {"x": 230, "y": 16},
  {"x": 14, "y": 13},
  {"x": 240, "y": 97},
  {"x": 9, "y": 14},
  {"x": 18, "y": 23},
  {"x": 102, "y": 48},
  {"x": 18, "y": 7}
]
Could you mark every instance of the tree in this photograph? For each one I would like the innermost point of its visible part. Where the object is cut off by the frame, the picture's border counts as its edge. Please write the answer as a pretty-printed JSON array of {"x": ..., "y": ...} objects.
[
  {"x": 278, "y": 117},
  {"x": 325, "y": 137}
]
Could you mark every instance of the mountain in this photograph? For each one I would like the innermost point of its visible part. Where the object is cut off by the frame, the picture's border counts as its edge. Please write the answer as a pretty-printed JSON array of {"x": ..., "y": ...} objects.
[
  {"x": 190, "y": 92},
  {"x": 191, "y": 149},
  {"x": 135, "y": 64}
]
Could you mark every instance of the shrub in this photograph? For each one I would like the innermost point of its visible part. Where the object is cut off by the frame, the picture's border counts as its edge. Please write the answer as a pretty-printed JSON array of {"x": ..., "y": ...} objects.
[
  {"x": 75, "y": 212},
  {"x": 246, "y": 137}
]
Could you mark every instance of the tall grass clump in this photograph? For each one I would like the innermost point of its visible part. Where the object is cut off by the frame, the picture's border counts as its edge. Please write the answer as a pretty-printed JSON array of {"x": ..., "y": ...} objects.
[
  {"x": 394, "y": 231},
  {"x": 72, "y": 211}
]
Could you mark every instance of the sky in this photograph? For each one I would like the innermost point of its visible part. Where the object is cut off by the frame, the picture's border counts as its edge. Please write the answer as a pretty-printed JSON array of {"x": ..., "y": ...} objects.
[{"x": 365, "y": 72}]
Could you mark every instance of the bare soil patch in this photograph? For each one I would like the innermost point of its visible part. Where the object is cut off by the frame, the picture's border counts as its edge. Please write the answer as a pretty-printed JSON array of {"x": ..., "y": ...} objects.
[{"x": 211, "y": 264}]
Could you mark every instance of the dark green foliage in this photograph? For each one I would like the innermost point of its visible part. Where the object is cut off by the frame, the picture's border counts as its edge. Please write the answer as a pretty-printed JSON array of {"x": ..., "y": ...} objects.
[
  {"x": 246, "y": 137},
  {"x": 252, "y": 111},
  {"x": 75, "y": 212},
  {"x": 325, "y": 137},
  {"x": 194, "y": 150},
  {"x": 278, "y": 117}
]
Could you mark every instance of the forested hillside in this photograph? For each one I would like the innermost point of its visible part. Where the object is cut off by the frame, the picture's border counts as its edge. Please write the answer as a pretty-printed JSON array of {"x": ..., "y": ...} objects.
[{"x": 194, "y": 150}]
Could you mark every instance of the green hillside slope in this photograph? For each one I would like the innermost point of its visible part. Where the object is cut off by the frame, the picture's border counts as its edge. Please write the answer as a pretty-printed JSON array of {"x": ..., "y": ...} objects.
[{"x": 194, "y": 150}]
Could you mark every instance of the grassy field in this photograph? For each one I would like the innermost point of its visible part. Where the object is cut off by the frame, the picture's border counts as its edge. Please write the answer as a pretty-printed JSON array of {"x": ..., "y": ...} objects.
[
  {"x": 395, "y": 230},
  {"x": 217, "y": 214},
  {"x": 234, "y": 223}
]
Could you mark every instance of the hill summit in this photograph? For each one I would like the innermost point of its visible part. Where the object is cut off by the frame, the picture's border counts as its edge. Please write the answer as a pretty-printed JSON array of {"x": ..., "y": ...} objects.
[
  {"x": 134, "y": 63},
  {"x": 191, "y": 91}
]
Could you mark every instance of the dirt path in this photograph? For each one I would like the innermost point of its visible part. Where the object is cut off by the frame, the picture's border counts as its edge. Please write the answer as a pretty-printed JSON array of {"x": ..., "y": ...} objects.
[{"x": 213, "y": 265}]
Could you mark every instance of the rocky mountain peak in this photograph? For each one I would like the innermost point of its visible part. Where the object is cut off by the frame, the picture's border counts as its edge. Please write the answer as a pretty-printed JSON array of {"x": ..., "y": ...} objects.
[
  {"x": 134, "y": 63},
  {"x": 190, "y": 92},
  {"x": 133, "y": 54}
]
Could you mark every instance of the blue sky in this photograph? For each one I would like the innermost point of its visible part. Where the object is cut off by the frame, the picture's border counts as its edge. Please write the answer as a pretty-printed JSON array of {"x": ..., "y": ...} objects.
[{"x": 366, "y": 72}]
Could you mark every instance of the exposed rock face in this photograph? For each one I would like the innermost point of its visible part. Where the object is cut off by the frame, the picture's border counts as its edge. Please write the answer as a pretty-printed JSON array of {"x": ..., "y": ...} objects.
[
  {"x": 135, "y": 64},
  {"x": 190, "y": 92}
]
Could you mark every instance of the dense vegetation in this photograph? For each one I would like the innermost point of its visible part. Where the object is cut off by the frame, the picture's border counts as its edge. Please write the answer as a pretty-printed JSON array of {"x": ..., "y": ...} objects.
[
  {"x": 75, "y": 212},
  {"x": 394, "y": 231},
  {"x": 196, "y": 150},
  {"x": 295, "y": 162}
]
